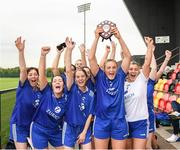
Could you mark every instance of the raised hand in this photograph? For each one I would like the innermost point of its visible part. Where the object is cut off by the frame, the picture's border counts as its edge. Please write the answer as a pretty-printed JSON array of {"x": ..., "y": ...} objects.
[
  {"x": 98, "y": 31},
  {"x": 116, "y": 33},
  {"x": 148, "y": 41},
  {"x": 60, "y": 51},
  {"x": 69, "y": 43},
  {"x": 168, "y": 54},
  {"x": 82, "y": 48},
  {"x": 45, "y": 50},
  {"x": 20, "y": 44}
]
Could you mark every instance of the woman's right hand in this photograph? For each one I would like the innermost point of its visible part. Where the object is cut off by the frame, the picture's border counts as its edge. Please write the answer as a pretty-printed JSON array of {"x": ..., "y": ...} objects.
[
  {"x": 98, "y": 31},
  {"x": 20, "y": 44}
]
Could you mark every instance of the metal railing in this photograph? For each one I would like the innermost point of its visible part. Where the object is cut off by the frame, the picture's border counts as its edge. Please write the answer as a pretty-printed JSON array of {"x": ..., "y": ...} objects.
[{"x": 175, "y": 55}]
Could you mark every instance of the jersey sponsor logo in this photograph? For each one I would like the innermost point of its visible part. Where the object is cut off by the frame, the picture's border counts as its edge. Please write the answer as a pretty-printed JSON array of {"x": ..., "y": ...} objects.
[
  {"x": 57, "y": 109},
  {"x": 128, "y": 95},
  {"x": 112, "y": 91},
  {"x": 52, "y": 114}
]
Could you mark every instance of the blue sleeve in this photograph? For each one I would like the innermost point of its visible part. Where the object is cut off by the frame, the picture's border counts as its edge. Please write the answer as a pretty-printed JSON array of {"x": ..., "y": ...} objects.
[
  {"x": 99, "y": 74},
  {"x": 121, "y": 73},
  {"x": 72, "y": 87},
  {"x": 152, "y": 82},
  {"x": 47, "y": 88},
  {"x": 26, "y": 83},
  {"x": 92, "y": 104}
]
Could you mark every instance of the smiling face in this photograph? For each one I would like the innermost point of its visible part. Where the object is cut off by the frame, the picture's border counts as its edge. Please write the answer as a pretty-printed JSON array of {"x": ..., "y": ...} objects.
[
  {"x": 133, "y": 72},
  {"x": 33, "y": 77},
  {"x": 57, "y": 85},
  {"x": 110, "y": 69},
  {"x": 80, "y": 78}
]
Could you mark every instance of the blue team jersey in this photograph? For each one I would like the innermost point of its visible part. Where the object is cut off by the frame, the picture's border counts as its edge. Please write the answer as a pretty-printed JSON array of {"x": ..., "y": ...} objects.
[
  {"x": 51, "y": 110},
  {"x": 27, "y": 101},
  {"x": 80, "y": 106},
  {"x": 150, "y": 90},
  {"x": 63, "y": 77},
  {"x": 90, "y": 85},
  {"x": 110, "y": 95}
]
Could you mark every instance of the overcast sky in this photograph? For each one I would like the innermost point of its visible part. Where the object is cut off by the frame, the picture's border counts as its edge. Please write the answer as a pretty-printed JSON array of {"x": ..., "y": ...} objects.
[{"x": 48, "y": 22}]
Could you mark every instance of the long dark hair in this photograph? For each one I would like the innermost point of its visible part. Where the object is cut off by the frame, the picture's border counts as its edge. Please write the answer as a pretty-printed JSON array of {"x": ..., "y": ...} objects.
[
  {"x": 32, "y": 68},
  {"x": 81, "y": 69}
]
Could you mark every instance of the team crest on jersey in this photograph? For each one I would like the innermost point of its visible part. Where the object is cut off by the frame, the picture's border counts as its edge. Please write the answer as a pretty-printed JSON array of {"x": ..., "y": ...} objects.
[
  {"x": 36, "y": 103},
  {"x": 82, "y": 106},
  {"x": 57, "y": 109}
]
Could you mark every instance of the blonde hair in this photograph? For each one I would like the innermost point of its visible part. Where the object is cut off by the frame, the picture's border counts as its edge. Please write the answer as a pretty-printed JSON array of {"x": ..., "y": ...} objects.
[{"x": 109, "y": 60}]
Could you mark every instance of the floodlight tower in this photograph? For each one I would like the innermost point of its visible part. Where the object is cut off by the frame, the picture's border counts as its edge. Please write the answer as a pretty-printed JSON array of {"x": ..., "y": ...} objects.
[{"x": 84, "y": 8}]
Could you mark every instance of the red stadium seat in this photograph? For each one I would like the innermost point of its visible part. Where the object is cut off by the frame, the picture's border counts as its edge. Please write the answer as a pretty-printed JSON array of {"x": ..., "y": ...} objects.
[
  {"x": 173, "y": 76},
  {"x": 178, "y": 66},
  {"x": 169, "y": 81},
  {"x": 166, "y": 87},
  {"x": 162, "y": 104},
  {"x": 166, "y": 96},
  {"x": 157, "y": 98},
  {"x": 177, "y": 88},
  {"x": 177, "y": 70},
  {"x": 168, "y": 107},
  {"x": 172, "y": 98}
]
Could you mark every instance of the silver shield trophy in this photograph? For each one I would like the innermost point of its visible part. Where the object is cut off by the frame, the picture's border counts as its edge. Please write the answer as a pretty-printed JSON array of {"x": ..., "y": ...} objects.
[{"x": 107, "y": 27}]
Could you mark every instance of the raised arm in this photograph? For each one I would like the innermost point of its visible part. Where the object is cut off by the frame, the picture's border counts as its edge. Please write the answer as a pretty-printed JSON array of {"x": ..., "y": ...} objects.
[
  {"x": 55, "y": 69},
  {"x": 164, "y": 64},
  {"x": 148, "y": 56},
  {"x": 92, "y": 53},
  {"x": 22, "y": 64},
  {"x": 42, "y": 68},
  {"x": 125, "y": 51},
  {"x": 104, "y": 58},
  {"x": 153, "y": 72},
  {"x": 83, "y": 54},
  {"x": 69, "y": 74},
  {"x": 113, "y": 52}
]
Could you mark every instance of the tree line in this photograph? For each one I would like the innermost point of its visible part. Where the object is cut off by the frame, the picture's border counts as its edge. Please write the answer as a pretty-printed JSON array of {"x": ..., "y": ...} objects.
[{"x": 14, "y": 72}]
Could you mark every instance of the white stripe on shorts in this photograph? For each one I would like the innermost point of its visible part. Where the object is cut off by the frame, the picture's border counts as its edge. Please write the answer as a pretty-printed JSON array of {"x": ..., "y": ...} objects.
[
  {"x": 94, "y": 125},
  {"x": 30, "y": 138},
  {"x": 14, "y": 132},
  {"x": 63, "y": 131}
]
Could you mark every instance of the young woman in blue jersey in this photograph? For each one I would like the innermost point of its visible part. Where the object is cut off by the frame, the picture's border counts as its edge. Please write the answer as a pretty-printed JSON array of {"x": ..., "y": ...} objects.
[
  {"x": 27, "y": 100},
  {"x": 80, "y": 108},
  {"x": 110, "y": 122},
  {"x": 153, "y": 77},
  {"x": 136, "y": 100},
  {"x": 48, "y": 120}
]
